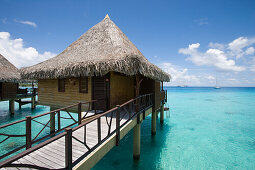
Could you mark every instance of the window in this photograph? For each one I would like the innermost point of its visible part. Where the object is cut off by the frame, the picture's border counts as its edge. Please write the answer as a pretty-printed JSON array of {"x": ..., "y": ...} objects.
[
  {"x": 61, "y": 85},
  {"x": 83, "y": 84}
]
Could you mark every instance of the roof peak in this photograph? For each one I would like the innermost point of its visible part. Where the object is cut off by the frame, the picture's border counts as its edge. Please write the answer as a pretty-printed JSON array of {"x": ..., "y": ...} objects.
[{"x": 107, "y": 17}]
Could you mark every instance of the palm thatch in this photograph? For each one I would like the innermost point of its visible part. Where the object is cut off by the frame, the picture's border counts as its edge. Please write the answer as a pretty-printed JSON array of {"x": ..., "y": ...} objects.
[
  {"x": 8, "y": 73},
  {"x": 102, "y": 49}
]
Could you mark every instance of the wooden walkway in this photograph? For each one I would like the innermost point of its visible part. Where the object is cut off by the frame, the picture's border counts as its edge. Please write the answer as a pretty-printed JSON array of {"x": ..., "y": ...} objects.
[{"x": 52, "y": 156}]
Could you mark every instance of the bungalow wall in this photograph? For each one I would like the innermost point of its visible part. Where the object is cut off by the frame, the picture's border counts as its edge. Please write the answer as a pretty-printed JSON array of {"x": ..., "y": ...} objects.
[
  {"x": 49, "y": 95},
  {"x": 122, "y": 88},
  {"x": 8, "y": 90}
]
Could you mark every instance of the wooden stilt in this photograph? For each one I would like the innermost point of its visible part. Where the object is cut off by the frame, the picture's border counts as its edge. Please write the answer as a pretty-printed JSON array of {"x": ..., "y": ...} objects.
[
  {"x": 136, "y": 141},
  {"x": 20, "y": 104},
  {"x": 162, "y": 113},
  {"x": 33, "y": 97},
  {"x": 153, "y": 122},
  {"x": 11, "y": 106}
]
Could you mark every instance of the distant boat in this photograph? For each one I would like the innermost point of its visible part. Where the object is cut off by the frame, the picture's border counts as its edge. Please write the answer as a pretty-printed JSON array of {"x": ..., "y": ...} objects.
[
  {"x": 217, "y": 86},
  {"x": 182, "y": 86}
]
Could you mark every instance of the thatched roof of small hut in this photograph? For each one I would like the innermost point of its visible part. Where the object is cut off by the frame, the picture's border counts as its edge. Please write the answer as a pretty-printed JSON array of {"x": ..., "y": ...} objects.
[
  {"x": 8, "y": 72},
  {"x": 102, "y": 49}
]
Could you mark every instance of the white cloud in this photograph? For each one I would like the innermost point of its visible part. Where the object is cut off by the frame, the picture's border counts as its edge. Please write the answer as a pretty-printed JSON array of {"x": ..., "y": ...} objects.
[
  {"x": 20, "y": 56},
  {"x": 202, "y": 21},
  {"x": 250, "y": 51},
  {"x": 217, "y": 45},
  {"x": 179, "y": 75},
  {"x": 212, "y": 57},
  {"x": 30, "y": 23},
  {"x": 210, "y": 77},
  {"x": 236, "y": 48},
  {"x": 232, "y": 79}
]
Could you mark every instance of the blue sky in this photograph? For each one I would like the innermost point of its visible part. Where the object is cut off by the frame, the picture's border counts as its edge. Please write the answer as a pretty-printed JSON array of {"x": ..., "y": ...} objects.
[{"x": 193, "y": 40}]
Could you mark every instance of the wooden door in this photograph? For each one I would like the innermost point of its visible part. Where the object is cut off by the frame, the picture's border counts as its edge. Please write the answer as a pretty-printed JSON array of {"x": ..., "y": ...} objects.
[{"x": 101, "y": 92}]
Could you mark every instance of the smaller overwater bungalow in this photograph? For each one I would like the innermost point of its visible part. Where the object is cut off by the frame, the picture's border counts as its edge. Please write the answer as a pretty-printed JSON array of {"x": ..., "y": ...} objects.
[
  {"x": 9, "y": 78},
  {"x": 9, "y": 85},
  {"x": 103, "y": 65}
]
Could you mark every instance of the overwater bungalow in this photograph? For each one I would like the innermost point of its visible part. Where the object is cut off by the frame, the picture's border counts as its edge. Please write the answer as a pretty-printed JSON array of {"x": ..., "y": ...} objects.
[
  {"x": 103, "y": 64},
  {"x": 9, "y": 77},
  {"x": 102, "y": 67},
  {"x": 9, "y": 85}
]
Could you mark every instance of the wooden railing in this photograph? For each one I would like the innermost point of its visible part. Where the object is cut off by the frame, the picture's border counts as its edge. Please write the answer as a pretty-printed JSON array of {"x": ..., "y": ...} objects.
[
  {"x": 54, "y": 127},
  {"x": 25, "y": 92},
  {"x": 122, "y": 114}
]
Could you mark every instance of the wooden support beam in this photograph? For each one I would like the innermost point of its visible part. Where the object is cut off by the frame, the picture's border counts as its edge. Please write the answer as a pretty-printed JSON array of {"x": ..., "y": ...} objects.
[
  {"x": 153, "y": 121},
  {"x": 162, "y": 113},
  {"x": 136, "y": 141},
  {"x": 11, "y": 106},
  {"x": 20, "y": 104}
]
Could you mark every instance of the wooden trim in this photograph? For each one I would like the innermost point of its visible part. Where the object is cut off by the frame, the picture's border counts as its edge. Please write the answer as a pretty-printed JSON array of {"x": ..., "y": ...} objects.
[
  {"x": 61, "y": 90},
  {"x": 80, "y": 89}
]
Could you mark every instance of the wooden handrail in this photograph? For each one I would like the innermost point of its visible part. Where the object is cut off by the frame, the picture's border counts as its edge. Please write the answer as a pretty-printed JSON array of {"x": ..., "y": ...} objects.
[{"x": 145, "y": 101}]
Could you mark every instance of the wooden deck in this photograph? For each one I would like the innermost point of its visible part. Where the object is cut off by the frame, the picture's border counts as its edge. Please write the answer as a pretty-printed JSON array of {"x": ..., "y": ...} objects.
[{"x": 52, "y": 156}]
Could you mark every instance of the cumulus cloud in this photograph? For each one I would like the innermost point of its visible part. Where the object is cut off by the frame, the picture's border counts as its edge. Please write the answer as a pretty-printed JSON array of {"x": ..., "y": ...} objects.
[
  {"x": 179, "y": 75},
  {"x": 221, "y": 56},
  {"x": 237, "y": 47},
  {"x": 212, "y": 57},
  {"x": 250, "y": 51},
  {"x": 20, "y": 56},
  {"x": 30, "y": 23}
]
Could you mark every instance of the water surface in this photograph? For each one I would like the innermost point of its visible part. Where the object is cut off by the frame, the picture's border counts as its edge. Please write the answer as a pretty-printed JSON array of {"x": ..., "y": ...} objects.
[{"x": 208, "y": 129}]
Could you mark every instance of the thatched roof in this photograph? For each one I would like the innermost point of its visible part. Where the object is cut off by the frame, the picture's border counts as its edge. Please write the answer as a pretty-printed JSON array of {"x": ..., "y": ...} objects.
[
  {"x": 8, "y": 72},
  {"x": 102, "y": 49}
]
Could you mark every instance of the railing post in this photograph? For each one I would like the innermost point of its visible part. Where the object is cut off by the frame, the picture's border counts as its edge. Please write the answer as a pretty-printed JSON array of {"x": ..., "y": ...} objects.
[
  {"x": 79, "y": 113},
  {"x": 52, "y": 122},
  {"x": 99, "y": 129},
  {"x": 68, "y": 148},
  {"x": 118, "y": 125},
  {"x": 28, "y": 132},
  {"x": 59, "y": 125}
]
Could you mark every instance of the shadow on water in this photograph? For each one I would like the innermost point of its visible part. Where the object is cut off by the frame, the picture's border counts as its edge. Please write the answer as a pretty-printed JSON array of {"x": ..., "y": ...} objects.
[{"x": 121, "y": 157}]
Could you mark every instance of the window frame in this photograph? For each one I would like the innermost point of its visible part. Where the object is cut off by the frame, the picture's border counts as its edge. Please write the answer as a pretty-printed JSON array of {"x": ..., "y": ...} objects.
[
  {"x": 59, "y": 88},
  {"x": 80, "y": 81}
]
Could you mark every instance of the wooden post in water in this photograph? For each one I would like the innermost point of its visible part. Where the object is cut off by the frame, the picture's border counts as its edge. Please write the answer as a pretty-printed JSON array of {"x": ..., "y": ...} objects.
[
  {"x": 19, "y": 103},
  {"x": 11, "y": 106},
  {"x": 162, "y": 113},
  {"x": 154, "y": 113},
  {"x": 136, "y": 141},
  {"x": 33, "y": 97},
  {"x": 52, "y": 122}
]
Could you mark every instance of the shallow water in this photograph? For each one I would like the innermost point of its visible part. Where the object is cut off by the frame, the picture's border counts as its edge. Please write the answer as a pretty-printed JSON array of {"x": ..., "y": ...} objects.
[
  {"x": 20, "y": 128},
  {"x": 208, "y": 129}
]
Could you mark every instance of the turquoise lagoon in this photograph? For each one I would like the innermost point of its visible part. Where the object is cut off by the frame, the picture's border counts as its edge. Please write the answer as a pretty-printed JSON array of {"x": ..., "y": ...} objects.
[{"x": 207, "y": 129}]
